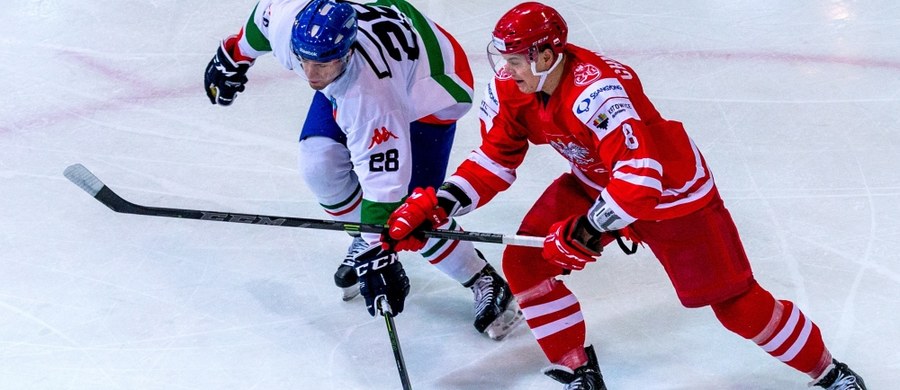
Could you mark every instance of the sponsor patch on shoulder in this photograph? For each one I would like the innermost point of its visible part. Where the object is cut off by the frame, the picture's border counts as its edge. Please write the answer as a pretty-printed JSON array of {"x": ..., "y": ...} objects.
[
  {"x": 594, "y": 96},
  {"x": 490, "y": 106},
  {"x": 603, "y": 106}
]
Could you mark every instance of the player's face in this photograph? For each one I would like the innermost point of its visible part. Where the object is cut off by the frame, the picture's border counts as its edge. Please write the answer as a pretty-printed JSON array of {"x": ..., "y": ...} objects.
[
  {"x": 519, "y": 67},
  {"x": 320, "y": 74}
]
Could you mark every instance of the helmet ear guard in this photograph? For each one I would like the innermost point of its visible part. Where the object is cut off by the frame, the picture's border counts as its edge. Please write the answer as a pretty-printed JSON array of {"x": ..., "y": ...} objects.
[{"x": 323, "y": 31}]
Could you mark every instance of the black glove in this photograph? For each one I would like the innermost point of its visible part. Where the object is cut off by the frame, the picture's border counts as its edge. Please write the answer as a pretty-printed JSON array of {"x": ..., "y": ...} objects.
[
  {"x": 382, "y": 280},
  {"x": 224, "y": 77}
]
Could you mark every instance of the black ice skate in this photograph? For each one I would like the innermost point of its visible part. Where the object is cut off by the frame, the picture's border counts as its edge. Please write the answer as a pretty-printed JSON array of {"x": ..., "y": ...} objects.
[
  {"x": 840, "y": 377},
  {"x": 496, "y": 310},
  {"x": 345, "y": 276},
  {"x": 586, "y": 377}
]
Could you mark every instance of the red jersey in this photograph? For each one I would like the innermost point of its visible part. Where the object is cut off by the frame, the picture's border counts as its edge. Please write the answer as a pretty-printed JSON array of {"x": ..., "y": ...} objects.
[{"x": 598, "y": 117}]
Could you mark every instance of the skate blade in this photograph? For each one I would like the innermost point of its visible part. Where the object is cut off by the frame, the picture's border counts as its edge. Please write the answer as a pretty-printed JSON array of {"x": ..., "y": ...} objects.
[
  {"x": 506, "y": 323},
  {"x": 350, "y": 292}
]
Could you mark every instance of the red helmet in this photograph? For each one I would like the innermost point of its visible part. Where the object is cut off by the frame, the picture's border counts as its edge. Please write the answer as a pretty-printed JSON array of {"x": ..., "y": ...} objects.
[{"x": 528, "y": 27}]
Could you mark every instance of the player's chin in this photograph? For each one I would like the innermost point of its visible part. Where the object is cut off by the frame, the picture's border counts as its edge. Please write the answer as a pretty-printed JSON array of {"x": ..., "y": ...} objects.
[
  {"x": 318, "y": 86},
  {"x": 524, "y": 87}
]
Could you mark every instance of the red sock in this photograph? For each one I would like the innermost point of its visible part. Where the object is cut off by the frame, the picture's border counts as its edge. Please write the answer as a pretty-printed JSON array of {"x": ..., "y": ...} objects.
[
  {"x": 778, "y": 327},
  {"x": 554, "y": 316}
]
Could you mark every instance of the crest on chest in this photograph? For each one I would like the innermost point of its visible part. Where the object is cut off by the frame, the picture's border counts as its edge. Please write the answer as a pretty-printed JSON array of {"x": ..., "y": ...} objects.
[{"x": 573, "y": 151}]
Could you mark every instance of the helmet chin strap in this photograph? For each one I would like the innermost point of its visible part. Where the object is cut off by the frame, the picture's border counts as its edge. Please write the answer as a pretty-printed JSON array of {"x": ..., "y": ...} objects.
[
  {"x": 345, "y": 62},
  {"x": 543, "y": 75}
]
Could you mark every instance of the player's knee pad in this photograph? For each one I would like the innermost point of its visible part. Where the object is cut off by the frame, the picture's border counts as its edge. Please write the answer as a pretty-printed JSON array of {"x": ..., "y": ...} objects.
[
  {"x": 543, "y": 288},
  {"x": 327, "y": 170},
  {"x": 517, "y": 262},
  {"x": 746, "y": 314},
  {"x": 525, "y": 268}
]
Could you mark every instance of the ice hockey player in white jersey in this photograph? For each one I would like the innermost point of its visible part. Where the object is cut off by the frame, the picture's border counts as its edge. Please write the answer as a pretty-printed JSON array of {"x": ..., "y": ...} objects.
[{"x": 390, "y": 85}]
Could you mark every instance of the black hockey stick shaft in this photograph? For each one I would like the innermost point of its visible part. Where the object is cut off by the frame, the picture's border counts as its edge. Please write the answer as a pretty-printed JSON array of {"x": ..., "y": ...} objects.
[
  {"x": 395, "y": 344},
  {"x": 83, "y": 178}
]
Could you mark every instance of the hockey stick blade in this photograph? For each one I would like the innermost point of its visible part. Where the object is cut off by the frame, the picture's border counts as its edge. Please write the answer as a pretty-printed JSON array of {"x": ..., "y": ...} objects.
[
  {"x": 82, "y": 177},
  {"x": 90, "y": 183}
]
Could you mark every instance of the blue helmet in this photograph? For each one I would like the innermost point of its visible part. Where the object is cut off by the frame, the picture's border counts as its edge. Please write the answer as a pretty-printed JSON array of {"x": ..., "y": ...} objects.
[{"x": 324, "y": 30}]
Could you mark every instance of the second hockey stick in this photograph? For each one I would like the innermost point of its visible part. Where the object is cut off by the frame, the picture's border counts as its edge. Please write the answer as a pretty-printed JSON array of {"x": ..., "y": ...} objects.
[
  {"x": 82, "y": 177},
  {"x": 395, "y": 343}
]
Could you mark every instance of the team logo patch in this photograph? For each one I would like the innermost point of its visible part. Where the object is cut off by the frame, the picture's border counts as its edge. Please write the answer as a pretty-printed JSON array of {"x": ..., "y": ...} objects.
[
  {"x": 601, "y": 121},
  {"x": 381, "y": 136},
  {"x": 586, "y": 74},
  {"x": 502, "y": 74},
  {"x": 334, "y": 108}
]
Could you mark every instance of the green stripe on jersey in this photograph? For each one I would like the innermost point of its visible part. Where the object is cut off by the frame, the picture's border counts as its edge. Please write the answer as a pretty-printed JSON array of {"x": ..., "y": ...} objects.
[
  {"x": 376, "y": 212},
  {"x": 345, "y": 202},
  {"x": 255, "y": 38},
  {"x": 432, "y": 49}
]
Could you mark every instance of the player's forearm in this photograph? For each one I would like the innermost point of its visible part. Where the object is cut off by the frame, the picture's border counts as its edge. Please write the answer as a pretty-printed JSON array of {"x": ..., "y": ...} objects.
[{"x": 252, "y": 40}]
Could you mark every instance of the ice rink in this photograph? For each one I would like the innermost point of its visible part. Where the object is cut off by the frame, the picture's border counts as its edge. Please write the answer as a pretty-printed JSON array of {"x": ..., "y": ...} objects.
[{"x": 796, "y": 105}]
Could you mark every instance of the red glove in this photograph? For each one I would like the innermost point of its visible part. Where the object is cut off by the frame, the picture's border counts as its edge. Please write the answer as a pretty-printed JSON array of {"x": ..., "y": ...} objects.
[
  {"x": 406, "y": 223},
  {"x": 572, "y": 243}
]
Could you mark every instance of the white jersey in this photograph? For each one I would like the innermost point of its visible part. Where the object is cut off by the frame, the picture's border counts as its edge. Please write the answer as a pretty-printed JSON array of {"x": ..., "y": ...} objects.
[{"x": 404, "y": 68}]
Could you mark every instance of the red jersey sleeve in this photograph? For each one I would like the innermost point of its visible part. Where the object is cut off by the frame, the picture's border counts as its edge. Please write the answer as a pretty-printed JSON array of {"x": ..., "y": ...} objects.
[{"x": 491, "y": 168}]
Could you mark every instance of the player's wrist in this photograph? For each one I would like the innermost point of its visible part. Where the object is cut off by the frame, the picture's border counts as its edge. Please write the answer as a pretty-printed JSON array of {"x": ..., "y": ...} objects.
[
  {"x": 587, "y": 235},
  {"x": 230, "y": 47},
  {"x": 451, "y": 199}
]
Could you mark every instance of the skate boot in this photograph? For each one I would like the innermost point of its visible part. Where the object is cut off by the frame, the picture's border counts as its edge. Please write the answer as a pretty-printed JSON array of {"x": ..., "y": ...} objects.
[
  {"x": 839, "y": 377},
  {"x": 496, "y": 310},
  {"x": 345, "y": 276},
  {"x": 586, "y": 377}
]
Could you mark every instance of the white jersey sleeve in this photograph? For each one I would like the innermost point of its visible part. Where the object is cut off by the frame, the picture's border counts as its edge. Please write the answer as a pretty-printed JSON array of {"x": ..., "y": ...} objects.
[{"x": 269, "y": 30}]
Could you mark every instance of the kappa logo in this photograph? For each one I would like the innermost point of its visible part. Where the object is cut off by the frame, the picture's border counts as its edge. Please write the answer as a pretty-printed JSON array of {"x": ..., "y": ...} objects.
[
  {"x": 586, "y": 74},
  {"x": 381, "y": 136}
]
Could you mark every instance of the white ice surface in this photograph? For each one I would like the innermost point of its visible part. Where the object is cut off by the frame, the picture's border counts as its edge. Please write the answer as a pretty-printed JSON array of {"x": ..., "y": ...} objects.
[{"x": 796, "y": 105}]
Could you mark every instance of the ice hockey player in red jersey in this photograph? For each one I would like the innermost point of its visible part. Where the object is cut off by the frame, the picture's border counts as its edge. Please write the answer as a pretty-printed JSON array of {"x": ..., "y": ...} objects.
[{"x": 633, "y": 174}]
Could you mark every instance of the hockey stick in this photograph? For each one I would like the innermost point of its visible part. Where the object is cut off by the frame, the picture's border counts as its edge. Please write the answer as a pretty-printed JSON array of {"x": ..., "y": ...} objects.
[
  {"x": 395, "y": 343},
  {"x": 82, "y": 177}
]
